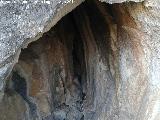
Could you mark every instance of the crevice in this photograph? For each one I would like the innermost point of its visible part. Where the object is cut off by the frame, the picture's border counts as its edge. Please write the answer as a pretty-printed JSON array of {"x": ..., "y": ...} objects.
[{"x": 78, "y": 55}]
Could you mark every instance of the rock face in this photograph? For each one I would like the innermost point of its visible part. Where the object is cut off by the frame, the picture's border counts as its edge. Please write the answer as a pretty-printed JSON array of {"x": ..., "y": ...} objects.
[{"x": 99, "y": 62}]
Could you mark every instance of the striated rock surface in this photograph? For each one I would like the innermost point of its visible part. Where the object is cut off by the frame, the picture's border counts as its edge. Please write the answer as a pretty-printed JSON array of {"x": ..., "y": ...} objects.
[{"x": 99, "y": 62}]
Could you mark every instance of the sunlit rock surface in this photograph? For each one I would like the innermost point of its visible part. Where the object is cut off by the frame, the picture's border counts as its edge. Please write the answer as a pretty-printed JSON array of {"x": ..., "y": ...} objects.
[{"x": 100, "y": 62}]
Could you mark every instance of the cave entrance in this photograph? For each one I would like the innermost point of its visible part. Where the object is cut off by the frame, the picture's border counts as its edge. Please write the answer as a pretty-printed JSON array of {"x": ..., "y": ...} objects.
[{"x": 64, "y": 71}]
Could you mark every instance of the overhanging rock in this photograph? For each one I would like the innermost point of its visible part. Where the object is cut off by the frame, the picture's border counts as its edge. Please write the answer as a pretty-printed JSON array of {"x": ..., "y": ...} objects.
[
  {"x": 22, "y": 22},
  {"x": 117, "y": 52}
]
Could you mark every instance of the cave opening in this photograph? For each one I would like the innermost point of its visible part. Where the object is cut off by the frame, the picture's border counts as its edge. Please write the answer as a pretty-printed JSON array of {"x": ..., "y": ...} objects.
[{"x": 64, "y": 70}]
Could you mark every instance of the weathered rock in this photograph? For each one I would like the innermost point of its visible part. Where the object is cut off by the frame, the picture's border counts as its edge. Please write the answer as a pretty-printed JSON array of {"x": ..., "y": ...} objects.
[
  {"x": 100, "y": 62},
  {"x": 23, "y": 22}
]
